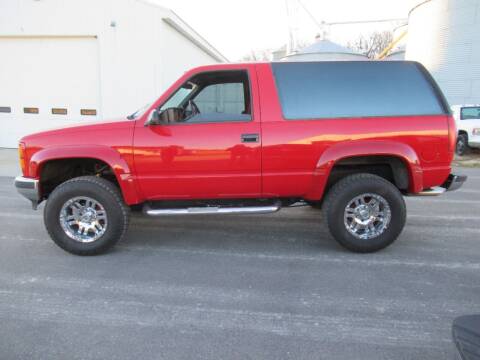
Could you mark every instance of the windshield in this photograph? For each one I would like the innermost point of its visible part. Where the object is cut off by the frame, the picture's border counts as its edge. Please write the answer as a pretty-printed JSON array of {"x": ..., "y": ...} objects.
[
  {"x": 175, "y": 101},
  {"x": 471, "y": 112}
]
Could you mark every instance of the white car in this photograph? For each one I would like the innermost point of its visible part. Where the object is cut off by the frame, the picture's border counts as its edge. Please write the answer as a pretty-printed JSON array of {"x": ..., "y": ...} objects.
[{"x": 467, "y": 119}]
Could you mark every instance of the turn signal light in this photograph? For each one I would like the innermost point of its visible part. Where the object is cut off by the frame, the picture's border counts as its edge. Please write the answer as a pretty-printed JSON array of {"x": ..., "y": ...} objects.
[{"x": 22, "y": 156}]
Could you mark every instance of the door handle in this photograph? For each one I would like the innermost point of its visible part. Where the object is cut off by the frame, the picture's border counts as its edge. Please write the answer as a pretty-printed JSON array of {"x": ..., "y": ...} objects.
[{"x": 250, "y": 138}]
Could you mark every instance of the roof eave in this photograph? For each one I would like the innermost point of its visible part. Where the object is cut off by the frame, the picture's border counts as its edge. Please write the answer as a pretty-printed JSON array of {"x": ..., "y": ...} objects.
[{"x": 188, "y": 32}]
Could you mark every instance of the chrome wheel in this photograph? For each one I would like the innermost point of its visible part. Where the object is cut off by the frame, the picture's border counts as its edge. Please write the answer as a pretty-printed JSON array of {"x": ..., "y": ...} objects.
[
  {"x": 83, "y": 219},
  {"x": 367, "y": 216}
]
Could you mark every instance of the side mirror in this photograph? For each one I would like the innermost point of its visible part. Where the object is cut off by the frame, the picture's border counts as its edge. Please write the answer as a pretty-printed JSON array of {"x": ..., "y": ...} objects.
[{"x": 154, "y": 118}]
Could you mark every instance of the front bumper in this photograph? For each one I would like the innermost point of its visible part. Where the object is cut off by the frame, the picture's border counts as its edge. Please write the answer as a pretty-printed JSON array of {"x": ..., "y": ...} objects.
[
  {"x": 474, "y": 140},
  {"x": 29, "y": 188},
  {"x": 452, "y": 183},
  {"x": 474, "y": 144}
]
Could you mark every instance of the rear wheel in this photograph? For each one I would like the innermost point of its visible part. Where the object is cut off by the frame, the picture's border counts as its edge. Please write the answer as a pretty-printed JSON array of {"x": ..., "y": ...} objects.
[
  {"x": 462, "y": 144},
  {"x": 86, "y": 215},
  {"x": 365, "y": 212}
]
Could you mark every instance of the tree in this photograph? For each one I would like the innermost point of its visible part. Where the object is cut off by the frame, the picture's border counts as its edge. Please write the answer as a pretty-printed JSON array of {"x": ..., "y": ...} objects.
[
  {"x": 257, "y": 55},
  {"x": 265, "y": 54},
  {"x": 373, "y": 45}
]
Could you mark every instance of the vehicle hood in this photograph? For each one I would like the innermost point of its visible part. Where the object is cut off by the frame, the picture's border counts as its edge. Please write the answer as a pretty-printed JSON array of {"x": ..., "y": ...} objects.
[
  {"x": 99, "y": 133},
  {"x": 93, "y": 132}
]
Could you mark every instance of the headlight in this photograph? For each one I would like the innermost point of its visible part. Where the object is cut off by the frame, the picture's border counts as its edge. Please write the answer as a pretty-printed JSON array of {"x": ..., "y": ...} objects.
[{"x": 476, "y": 131}]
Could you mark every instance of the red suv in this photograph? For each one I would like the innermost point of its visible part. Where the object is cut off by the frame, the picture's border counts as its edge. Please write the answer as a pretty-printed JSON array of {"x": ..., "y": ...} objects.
[{"x": 349, "y": 137}]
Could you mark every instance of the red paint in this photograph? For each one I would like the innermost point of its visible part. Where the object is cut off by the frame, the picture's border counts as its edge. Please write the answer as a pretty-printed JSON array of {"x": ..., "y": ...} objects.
[
  {"x": 199, "y": 160},
  {"x": 207, "y": 160}
]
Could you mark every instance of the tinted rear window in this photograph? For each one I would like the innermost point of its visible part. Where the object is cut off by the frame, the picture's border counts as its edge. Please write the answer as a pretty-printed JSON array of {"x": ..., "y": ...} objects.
[{"x": 354, "y": 89}]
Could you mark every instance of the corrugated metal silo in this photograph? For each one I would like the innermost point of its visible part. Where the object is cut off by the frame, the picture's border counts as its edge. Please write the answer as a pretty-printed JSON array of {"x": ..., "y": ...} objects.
[
  {"x": 325, "y": 50},
  {"x": 444, "y": 35}
]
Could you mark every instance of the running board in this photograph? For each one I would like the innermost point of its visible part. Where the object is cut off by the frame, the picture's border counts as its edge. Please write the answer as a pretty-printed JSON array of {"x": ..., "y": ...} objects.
[{"x": 205, "y": 210}]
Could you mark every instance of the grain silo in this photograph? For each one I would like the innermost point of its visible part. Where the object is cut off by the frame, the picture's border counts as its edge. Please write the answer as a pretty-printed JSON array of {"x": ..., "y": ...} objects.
[
  {"x": 444, "y": 35},
  {"x": 325, "y": 50}
]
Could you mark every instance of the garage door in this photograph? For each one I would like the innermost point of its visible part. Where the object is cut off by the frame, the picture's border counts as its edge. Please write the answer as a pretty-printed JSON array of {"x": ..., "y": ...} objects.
[{"x": 46, "y": 82}]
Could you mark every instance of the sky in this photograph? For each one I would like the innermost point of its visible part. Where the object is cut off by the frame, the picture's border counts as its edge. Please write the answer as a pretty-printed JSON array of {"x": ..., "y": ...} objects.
[{"x": 236, "y": 27}]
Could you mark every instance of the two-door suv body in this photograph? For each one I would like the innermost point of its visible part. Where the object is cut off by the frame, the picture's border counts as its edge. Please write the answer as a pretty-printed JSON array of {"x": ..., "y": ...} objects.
[{"x": 349, "y": 137}]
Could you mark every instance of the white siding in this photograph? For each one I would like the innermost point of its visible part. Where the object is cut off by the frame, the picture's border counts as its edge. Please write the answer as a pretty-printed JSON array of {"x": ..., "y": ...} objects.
[
  {"x": 180, "y": 54},
  {"x": 136, "y": 59},
  {"x": 444, "y": 36},
  {"x": 67, "y": 67}
]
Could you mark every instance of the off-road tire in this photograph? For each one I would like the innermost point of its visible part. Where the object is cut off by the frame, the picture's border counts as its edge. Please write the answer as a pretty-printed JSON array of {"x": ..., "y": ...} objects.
[
  {"x": 100, "y": 190},
  {"x": 347, "y": 189}
]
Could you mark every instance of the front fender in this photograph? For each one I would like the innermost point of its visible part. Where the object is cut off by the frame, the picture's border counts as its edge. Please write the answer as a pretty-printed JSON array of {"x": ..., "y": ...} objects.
[
  {"x": 348, "y": 149},
  {"x": 111, "y": 156}
]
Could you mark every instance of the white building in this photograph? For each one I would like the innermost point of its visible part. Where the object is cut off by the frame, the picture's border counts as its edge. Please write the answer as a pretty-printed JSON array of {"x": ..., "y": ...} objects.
[
  {"x": 444, "y": 35},
  {"x": 65, "y": 62}
]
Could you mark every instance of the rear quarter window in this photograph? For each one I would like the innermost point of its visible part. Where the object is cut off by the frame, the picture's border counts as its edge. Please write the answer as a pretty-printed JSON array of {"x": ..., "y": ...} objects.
[{"x": 355, "y": 89}]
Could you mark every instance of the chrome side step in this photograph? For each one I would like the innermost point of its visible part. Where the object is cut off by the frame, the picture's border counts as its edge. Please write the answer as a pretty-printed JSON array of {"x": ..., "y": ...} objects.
[
  {"x": 434, "y": 191},
  {"x": 204, "y": 210}
]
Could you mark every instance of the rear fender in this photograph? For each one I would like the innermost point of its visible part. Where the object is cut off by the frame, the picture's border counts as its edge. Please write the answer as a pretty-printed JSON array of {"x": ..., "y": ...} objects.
[
  {"x": 365, "y": 148},
  {"x": 106, "y": 154}
]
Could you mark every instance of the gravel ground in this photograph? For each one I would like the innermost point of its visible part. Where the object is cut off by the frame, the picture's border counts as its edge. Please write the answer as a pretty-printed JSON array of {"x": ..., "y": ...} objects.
[
  {"x": 241, "y": 287},
  {"x": 471, "y": 159}
]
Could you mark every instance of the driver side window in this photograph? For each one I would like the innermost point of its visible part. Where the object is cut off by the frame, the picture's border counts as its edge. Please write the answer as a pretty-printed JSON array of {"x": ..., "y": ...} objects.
[
  {"x": 219, "y": 96},
  {"x": 221, "y": 99}
]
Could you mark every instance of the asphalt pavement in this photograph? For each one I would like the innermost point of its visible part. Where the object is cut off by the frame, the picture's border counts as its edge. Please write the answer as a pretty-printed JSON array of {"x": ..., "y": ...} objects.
[{"x": 240, "y": 287}]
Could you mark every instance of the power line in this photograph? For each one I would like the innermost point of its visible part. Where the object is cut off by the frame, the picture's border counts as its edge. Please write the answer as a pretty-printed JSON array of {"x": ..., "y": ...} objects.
[
  {"x": 365, "y": 21},
  {"x": 322, "y": 24},
  {"x": 313, "y": 18}
]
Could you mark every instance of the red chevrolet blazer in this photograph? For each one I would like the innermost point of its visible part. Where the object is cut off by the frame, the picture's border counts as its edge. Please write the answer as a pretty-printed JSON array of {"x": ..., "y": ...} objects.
[{"x": 351, "y": 138}]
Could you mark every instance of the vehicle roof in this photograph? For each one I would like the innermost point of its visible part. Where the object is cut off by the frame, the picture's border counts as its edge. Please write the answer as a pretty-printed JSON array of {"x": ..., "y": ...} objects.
[
  {"x": 233, "y": 65},
  {"x": 303, "y": 62}
]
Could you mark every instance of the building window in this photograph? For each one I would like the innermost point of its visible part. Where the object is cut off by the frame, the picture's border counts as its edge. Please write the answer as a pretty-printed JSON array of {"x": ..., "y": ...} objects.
[
  {"x": 88, "y": 112},
  {"x": 59, "y": 111},
  {"x": 30, "y": 110}
]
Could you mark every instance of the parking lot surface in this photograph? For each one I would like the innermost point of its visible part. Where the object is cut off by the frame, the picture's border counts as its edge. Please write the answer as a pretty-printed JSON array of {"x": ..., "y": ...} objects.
[{"x": 240, "y": 287}]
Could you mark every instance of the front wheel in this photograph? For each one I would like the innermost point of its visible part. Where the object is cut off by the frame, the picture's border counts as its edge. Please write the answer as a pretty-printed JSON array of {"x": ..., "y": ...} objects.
[
  {"x": 365, "y": 213},
  {"x": 86, "y": 215}
]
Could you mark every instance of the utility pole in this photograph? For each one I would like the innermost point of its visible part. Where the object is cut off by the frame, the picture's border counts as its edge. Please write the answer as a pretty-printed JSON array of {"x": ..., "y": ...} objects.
[{"x": 292, "y": 19}]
